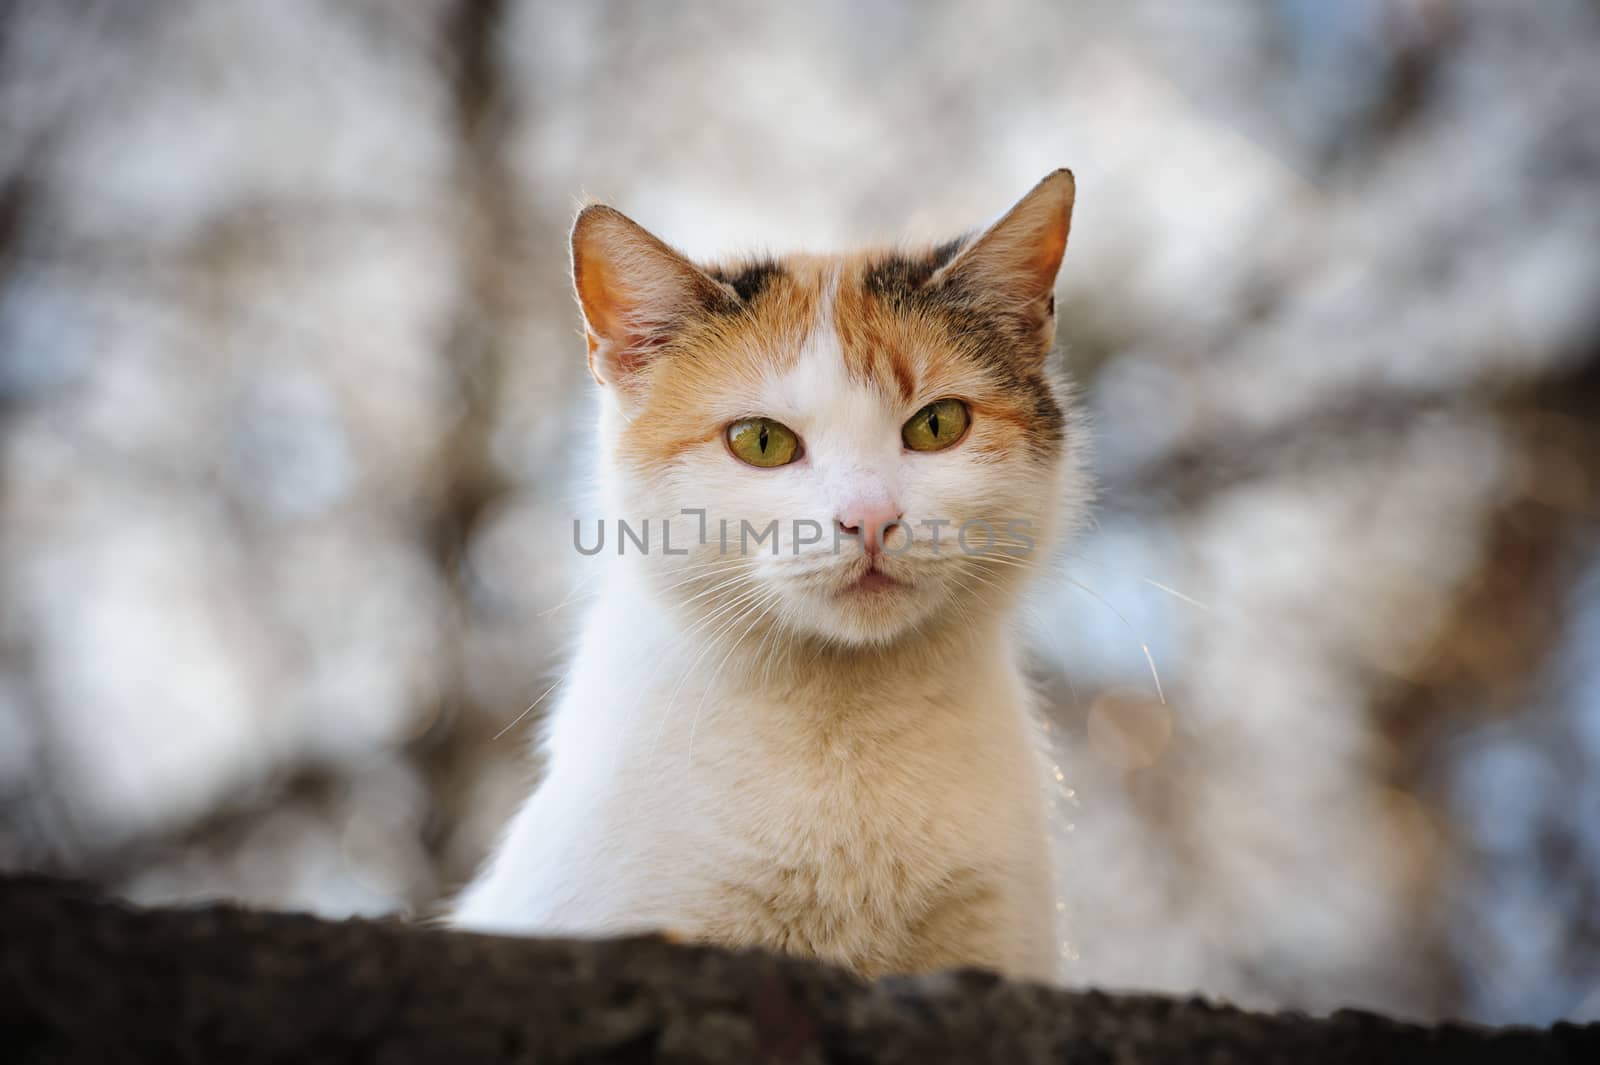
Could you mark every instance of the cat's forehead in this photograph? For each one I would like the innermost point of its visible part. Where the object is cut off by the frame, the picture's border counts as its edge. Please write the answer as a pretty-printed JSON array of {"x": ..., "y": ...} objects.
[
  {"x": 858, "y": 314},
  {"x": 893, "y": 275}
]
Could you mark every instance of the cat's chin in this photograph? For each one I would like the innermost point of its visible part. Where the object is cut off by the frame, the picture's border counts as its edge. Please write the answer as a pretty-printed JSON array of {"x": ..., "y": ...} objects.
[{"x": 869, "y": 608}]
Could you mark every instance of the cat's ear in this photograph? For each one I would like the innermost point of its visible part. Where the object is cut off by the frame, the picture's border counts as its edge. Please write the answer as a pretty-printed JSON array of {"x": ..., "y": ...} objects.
[
  {"x": 1014, "y": 262},
  {"x": 636, "y": 293}
]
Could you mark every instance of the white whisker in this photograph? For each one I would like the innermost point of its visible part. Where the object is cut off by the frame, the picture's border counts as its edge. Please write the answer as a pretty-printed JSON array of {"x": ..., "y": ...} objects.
[
  {"x": 513, "y": 722},
  {"x": 763, "y": 605},
  {"x": 1143, "y": 646}
]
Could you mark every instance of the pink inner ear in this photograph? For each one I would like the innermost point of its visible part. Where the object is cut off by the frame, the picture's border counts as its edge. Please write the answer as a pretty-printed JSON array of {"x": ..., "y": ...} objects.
[
  {"x": 597, "y": 293},
  {"x": 631, "y": 355},
  {"x": 1047, "y": 256},
  {"x": 614, "y": 359},
  {"x": 617, "y": 347}
]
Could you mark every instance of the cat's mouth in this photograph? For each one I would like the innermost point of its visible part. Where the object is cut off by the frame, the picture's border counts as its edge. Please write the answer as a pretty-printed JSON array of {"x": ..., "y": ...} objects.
[{"x": 873, "y": 581}]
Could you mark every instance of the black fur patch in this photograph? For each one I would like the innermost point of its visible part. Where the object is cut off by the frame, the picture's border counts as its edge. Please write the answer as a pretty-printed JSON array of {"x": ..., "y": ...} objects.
[
  {"x": 895, "y": 277},
  {"x": 947, "y": 251},
  {"x": 748, "y": 280}
]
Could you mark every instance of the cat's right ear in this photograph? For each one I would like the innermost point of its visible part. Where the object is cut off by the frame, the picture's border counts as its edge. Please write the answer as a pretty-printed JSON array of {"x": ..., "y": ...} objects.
[
  {"x": 1013, "y": 264},
  {"x": 636, "y": 293}
]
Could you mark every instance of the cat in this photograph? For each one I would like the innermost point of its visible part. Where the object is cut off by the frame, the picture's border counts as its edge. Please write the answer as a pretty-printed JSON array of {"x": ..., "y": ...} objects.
[{"x": 823, "y": 745}]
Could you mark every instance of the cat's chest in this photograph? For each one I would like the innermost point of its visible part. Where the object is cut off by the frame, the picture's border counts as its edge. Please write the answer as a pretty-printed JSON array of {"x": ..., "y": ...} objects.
[
  {"x": 803, "y": 771},
  {"x": 807, "y": 817},
  {"x": 826, "y": 804},
  {"x": 815, "y": 789},
  {"x": 833, "y": 860}
]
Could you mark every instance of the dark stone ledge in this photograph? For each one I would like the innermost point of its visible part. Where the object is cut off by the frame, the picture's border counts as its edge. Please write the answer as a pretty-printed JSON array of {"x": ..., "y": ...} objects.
[{"x": 83, "y": 979}]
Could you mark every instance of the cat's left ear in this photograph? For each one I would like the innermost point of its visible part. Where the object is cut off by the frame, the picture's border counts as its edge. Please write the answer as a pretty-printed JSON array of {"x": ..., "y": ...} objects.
[
  {"x": 636, "y": 294},
  {"x": 1014, "y": 262}
]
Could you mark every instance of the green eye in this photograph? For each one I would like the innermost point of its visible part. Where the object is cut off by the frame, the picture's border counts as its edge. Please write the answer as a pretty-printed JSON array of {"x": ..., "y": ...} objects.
[
  {"x": 936, "y": 426},
  {"x": 763, "y": 442}
]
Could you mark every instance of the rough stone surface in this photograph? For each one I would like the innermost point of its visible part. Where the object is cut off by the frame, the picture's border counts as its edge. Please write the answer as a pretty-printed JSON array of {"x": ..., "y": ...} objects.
[{"x": 83, "y": 979}]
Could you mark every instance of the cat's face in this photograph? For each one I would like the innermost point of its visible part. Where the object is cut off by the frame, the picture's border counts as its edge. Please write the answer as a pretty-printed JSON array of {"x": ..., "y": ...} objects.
[{"x": 873, "y": 439}]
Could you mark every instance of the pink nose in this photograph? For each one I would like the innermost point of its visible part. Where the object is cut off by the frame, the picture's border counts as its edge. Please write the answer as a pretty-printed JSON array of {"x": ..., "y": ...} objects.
[{"x": 867, "y": 521}]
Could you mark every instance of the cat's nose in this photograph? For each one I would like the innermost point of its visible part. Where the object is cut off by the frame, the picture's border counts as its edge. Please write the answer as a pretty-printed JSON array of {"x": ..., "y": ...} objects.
[{"x": 867, "y": 522}]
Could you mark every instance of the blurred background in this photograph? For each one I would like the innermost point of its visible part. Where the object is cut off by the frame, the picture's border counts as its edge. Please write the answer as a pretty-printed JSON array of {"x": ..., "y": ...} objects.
[{"x": 292, "y": 400}]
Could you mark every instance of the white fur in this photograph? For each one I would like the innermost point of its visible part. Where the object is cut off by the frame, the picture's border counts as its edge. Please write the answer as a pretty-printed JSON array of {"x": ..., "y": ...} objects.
[{"x": 753, "y": 758}]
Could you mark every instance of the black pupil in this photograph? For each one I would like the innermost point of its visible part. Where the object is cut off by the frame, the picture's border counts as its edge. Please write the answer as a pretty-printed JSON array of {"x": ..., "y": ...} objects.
[
  {"x": 933, "y": 423},
  {"x": 762, "y": 440}
]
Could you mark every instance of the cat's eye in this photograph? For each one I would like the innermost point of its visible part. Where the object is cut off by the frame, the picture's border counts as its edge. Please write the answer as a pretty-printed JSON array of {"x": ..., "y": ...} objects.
[
  {"x": 936, "y": 426},
  {"x": 763, "y": 442}
]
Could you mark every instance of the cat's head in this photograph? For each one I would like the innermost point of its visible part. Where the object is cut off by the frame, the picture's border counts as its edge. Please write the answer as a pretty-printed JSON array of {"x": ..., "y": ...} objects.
[{"x": 833, "y": 396}]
